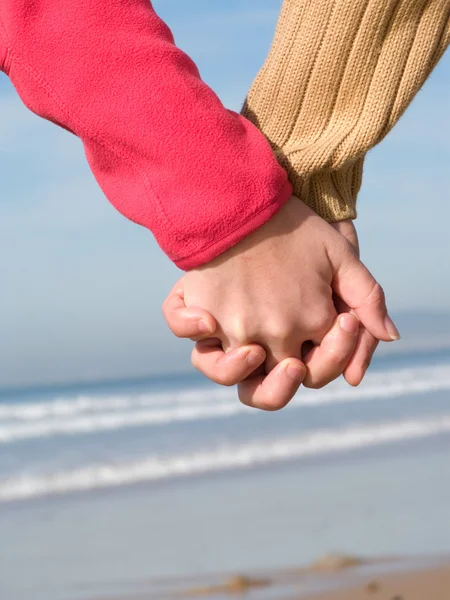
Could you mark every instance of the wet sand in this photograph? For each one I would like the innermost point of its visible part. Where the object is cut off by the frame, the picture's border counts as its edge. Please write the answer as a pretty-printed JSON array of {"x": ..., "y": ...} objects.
[
  {"x": 430, "y": 584},
  {"x": 335, "y": 577}
]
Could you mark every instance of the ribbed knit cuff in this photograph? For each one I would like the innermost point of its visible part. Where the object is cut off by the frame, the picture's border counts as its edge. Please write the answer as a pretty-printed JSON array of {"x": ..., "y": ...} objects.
[
  {"x": 338, "y": 77},
  {"x": 331, "y": 194}
]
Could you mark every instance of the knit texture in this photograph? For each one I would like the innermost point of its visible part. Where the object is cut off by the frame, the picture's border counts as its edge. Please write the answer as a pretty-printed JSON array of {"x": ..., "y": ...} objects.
[
  {"x": 339, "y": 75},
  {"x": 165, "y": 151}
]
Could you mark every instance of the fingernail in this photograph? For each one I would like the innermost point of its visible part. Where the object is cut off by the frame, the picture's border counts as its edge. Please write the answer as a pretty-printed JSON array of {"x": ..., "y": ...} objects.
[
  {"x": 391, "y": 328},
  {"x": 295, "y": 373},
  {"x": 349, "y": 324},
  {"x": 204, "y": 327}
]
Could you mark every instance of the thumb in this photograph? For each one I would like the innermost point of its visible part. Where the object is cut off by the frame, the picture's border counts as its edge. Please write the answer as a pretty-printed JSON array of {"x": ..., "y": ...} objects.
[
  {"x": 193, "y": 322},
  {"x": 355, "y": 285}
]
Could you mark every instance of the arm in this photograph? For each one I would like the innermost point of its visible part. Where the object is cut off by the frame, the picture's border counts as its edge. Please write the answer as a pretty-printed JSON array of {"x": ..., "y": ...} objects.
[
  {"x": 337, "y": 79},
  {"x": 162, "y": 147}
]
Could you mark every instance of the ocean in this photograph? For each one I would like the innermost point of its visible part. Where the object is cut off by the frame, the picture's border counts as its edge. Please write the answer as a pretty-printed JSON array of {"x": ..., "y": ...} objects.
[{"x": 107, "y": 488}]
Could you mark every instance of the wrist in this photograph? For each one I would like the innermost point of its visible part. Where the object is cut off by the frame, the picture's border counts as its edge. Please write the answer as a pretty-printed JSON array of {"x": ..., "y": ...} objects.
[{"x": 289, "y": 218}]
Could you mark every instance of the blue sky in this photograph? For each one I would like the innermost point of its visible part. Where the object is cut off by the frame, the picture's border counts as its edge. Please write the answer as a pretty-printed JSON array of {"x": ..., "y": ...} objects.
[{"x": 82, "y": 287}]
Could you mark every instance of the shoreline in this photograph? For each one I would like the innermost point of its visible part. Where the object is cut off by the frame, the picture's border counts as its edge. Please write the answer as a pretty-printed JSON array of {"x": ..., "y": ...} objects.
[
  {"x": 334, "y": 577},
  {"x": 423, "y": 582}
]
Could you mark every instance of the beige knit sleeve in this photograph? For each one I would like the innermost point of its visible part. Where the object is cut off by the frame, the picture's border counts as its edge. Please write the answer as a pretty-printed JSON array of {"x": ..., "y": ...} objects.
[{"x": 338, "y": 77}]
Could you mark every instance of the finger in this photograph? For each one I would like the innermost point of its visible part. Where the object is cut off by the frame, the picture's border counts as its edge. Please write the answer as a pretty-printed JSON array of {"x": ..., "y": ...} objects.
[
  {"x": 365, "y": 348},
  {"x": 288, "y": 344},
  {"x": 194, "y": 323},
  {"x": 327, "y": 361},
  {"x": 226, "y": 368},
  {"x": 362, "y": 357},
  {"x": 357, "y": 288},
  {"x": 274, "y": 391}
]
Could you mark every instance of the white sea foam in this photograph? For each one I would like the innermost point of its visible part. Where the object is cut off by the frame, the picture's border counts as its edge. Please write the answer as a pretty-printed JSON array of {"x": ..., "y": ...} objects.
[
  {"x": 153, "y": 468},
  {"x": 113, "y": 421},
  {"x": 73, "y": 406},
  {"x": 86, "y": 415}
]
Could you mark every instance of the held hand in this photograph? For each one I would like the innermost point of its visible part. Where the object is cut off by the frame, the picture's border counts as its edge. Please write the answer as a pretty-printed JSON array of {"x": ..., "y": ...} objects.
[
  {"x": 236, "y": 281},
  {"x": 275, "y": 288},
  {"x": 245, "y": 365}
]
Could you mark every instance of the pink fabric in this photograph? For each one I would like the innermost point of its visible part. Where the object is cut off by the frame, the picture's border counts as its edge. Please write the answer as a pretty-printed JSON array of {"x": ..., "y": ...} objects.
[{"x": 164, "y": 150}]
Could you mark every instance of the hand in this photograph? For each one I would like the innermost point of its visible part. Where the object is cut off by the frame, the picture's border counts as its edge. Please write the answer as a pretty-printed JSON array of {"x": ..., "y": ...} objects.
[
  {"x": 340, "y": 353},
  {"x": 245, "y": 366},
  {"x": 237, "y": 364}
]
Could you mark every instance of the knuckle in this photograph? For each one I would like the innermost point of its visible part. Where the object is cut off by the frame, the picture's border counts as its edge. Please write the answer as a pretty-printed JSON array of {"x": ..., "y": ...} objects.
[
  {"x": 322, "y": 323},
  {"x": 375, "y": 296},
  {"x": 165, "y": 304},
  {"x": 314, "y": 384},
  {"x": 224, "y": 378},
  {"x": 273, "y": 402},
  {"x": 275, "y": 407},
  {"x": 239, "y": 331},
  {"x": 165, "y": 312},
  {"x": 178, "y": 331},
  {"x": 217, "y": 373},
  {"x": 270, "y": 402},
  {"x": 321, "y": 382},
  {"x": 278, "y": 330}
]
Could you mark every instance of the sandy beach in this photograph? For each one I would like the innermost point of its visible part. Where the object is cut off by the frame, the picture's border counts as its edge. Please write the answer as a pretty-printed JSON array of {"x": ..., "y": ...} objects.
[
  {"x": 422, "y": 583},
  {"x": 430, "y": 584},
  {"x": 345, "y": 578},
  {"x": 334, "y": 577}
]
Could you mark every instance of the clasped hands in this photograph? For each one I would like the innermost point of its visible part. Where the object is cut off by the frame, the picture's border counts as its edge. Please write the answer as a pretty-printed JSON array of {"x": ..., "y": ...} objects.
[{"x": 290, "y": 304}]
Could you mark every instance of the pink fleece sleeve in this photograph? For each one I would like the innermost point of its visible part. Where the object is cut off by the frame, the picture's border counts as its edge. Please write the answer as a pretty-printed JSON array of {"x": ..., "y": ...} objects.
[{"x": 162, "y": 147}]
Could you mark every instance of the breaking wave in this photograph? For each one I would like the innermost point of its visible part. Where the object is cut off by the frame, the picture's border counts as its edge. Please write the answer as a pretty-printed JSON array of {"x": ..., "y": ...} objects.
[
  {"x": 91, "y": 414},
  {"x": 220, "y": 458}
]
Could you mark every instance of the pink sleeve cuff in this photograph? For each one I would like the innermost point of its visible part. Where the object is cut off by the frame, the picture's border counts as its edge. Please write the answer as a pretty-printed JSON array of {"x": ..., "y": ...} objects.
[{"x": 165, "y": 151}]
